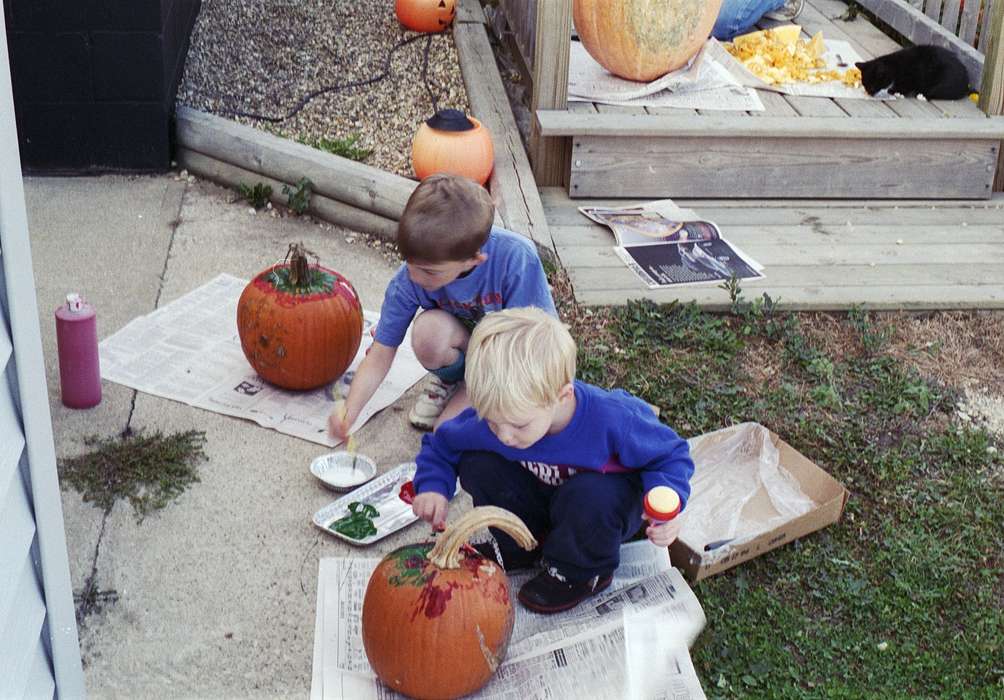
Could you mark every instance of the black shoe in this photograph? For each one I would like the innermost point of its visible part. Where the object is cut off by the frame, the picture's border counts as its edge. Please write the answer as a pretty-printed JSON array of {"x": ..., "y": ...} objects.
[
  {"x": 490, "y": 551},
  {"x": 549, "y": 592}
]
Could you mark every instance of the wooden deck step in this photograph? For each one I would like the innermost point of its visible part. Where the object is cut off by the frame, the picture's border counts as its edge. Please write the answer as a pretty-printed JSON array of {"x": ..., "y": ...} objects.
[
  {"x": 799, "y": 147},
  {"x": 818, "y": 255}
]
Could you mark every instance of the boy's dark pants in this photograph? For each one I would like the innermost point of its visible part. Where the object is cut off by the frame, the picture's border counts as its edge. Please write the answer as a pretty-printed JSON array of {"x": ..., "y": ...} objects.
[{"x": 581, "y": 523}]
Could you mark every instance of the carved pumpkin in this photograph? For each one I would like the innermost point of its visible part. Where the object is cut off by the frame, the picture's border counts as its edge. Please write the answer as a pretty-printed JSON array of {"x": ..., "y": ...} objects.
[
  {"x": 643, "y": 39},
  {"x": 426, "y": 15},
  {"x": 437, "y": 618},
  {"x": 451, "y": 142},
  {"x": 300, "y": 324}
]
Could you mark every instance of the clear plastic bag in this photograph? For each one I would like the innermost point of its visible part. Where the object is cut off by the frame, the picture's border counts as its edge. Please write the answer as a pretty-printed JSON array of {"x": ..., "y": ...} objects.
[{"x": 739, "y": 489}]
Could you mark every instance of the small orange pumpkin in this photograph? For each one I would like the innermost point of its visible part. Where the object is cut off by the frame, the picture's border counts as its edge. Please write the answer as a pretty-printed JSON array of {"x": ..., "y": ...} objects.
[
  {"x": 641, "y": 40},
  {"x": 451, "y": 142},
  {"x": 426, "y": 15},
  {"x": 437, "y": 618},
  {"x": 300, "y": 325}
]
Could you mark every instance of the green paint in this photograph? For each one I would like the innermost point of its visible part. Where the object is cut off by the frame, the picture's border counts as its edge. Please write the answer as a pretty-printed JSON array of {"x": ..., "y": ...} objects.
[
  {"x": 319, "y": 282},
  {"x": 358, "y": 524},
  {"x": 411, "y": 562}
]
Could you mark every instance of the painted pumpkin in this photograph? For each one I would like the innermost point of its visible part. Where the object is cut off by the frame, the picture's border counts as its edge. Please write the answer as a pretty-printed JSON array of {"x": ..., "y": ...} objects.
[
  {"x": 643, "y": 39},
  {"x": 426, "y": 15},
  {"x": 437, "y": 618},
  {"x": 300, "y": 324},
  {"x": 452, "y": 142}
]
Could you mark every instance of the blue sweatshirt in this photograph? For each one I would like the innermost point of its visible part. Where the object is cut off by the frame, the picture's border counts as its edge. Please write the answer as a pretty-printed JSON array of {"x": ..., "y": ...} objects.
[
  {"x": 511, "y": 276},
  {"x": 611, "y": 431}
]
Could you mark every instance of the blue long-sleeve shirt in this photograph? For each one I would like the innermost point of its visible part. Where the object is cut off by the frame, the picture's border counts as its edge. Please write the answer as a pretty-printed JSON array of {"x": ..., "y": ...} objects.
[
  {"x": 511, "y": 276},
  {"x": 611, "y": 431}
]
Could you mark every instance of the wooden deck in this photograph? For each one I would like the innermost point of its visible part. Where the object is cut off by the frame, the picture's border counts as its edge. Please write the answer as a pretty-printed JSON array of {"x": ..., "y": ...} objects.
[
  {"x": 822, "y": 255},
  {"x": 799, "y": 147}
]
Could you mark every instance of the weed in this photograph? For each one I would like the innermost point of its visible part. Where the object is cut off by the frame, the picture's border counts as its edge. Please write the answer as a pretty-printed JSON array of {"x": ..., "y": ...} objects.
[
  {"x": 256, "y": 196},
  {"x": 148, "y": 470},
  {"x": 347, "y": 147},
  {"x": 298, "y": 196}
]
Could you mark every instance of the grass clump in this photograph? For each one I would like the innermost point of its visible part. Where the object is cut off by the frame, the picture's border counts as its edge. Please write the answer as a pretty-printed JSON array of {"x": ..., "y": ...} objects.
[
  {"x": 257, "y": 196},
  {"x": 902, "y": 597},
  {"x": 298, "y": 195},
  {"x": 347, "y": 147},
  {"x": 147, "y": 470}
]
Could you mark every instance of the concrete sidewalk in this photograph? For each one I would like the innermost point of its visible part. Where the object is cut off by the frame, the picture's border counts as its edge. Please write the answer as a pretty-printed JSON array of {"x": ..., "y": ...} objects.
[{"x": 216, "y": 592}]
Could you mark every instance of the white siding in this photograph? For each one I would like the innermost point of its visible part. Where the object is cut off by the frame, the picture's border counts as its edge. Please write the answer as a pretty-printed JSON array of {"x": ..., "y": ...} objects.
[{"x": 39, "y": 651}]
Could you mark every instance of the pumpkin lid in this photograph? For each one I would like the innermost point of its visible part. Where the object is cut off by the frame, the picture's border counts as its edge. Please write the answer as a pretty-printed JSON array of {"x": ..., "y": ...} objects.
[{"x": 450, "y": 120}]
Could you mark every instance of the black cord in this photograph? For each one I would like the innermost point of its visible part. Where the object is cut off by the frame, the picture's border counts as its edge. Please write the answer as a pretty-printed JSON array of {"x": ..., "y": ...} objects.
[{"x": 304, "y": 101}]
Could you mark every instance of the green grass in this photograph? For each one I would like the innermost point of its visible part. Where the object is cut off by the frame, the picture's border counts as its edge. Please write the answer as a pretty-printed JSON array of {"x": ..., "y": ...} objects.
[
  {"x": 347, "y": 147},
  {"x": 904, "y": 597}
]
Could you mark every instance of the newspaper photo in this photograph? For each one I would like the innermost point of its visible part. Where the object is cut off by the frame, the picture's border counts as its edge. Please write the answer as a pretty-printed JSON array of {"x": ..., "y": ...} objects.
[
  {"x": 666, "y": 246},
  {"x": 629, "y": 642},
  {"x": 189, "y": 351}
]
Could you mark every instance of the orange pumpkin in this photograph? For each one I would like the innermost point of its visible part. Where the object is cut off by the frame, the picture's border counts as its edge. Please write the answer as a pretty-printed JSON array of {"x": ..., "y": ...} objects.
[
  {"x": 641, "y": 39},
  {"x": 426, "y": 15},
  {"x": 437, "y": 618},
  {"x": 300, "y": 324},
  {"x": 451, "y": 142}
]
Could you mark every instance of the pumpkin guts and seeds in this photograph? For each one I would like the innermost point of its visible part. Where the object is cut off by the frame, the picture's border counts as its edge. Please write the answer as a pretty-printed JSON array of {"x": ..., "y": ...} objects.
[{"x": 358, "y": 524}]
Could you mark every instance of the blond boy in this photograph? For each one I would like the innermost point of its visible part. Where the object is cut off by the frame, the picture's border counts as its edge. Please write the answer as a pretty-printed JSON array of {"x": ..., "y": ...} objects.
[
  {"x": 457, "y": 268},
  {"x": 572, "y": 460}
]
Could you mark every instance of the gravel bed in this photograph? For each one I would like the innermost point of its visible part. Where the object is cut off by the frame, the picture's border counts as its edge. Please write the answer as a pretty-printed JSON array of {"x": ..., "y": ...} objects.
[{"x": 251, "y": 59}]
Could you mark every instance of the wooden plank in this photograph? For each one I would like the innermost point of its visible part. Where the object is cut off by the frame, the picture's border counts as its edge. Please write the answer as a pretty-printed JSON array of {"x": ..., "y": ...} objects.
[
  {"x": 512, "y": 184},
  {"x": 332, "y": 210},
  {"x": 920, "y": 29},
  {"x": 813, "y": 255},
  {"x": 932, "y": 8},
  {"x": 774, "y": 105},
  {"x": 360, "y": 185},
  {"x": 869, "y": 40},
  {"x": 985, "y": 27},
  {"x": 814, "y": 298},
  {"x": 970, "y": 22},
  {"x": 822, "y": 107},
  {"x": 950, "y": 15},
  {"x": 812, "y": 234},
  {"x": 783, "y": 167},
  {"x": 522, "y": 18},
  {"x": 550, "y": 88},
  {"x": 563, "y": 123},
  {"x": 469, "y": 11},
  {"x": 992, "y": 88}
]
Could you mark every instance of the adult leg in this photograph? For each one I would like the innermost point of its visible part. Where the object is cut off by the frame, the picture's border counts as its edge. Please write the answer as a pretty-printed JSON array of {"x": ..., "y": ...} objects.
[
  {"x": 591, "y": 515},
  {"x": 738, "y": 16},
  {"x": 493, "y": 480}
]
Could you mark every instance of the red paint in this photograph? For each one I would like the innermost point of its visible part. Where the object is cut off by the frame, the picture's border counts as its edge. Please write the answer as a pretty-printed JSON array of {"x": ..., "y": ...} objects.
[
  {"x": 433, "y": 599},
  {"x": 407, "y": 492}
]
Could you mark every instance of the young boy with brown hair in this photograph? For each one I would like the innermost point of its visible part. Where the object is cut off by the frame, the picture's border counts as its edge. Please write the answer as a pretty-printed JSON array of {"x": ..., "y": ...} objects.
[
  {"x": 457, "y": 268},
  {"x": 572, "y": 460}
]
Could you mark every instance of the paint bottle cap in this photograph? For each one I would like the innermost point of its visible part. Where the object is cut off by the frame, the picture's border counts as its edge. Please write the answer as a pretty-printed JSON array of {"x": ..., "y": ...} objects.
[
  {"x": 662, "y": 503},
  {"x": 74, "y": 303}
]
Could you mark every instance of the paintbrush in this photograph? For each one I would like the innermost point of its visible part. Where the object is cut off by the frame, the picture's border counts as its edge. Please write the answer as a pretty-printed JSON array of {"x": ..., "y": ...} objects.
[{"x": 350, "y": 442}]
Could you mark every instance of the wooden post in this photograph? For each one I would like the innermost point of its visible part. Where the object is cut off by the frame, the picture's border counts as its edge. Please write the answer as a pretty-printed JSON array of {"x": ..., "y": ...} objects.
[
  {"x": 550, "y": 156},
  {"x": 992, "y": 90}
]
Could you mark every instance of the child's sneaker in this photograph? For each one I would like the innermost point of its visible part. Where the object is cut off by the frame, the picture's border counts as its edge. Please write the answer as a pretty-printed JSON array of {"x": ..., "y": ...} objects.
[
  {"x": 435, "y": 395},
  {"x": 550, "y": 592},
  {"x": 787, "y": 12}
]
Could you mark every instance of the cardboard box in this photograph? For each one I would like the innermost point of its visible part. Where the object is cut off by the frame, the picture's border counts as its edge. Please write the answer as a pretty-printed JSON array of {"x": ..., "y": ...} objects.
[{"x": 769, "y": 493}]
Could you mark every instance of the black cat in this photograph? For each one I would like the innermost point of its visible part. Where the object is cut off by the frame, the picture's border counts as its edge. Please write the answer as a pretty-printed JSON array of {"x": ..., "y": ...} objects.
[{"x": 931, "y": 71}]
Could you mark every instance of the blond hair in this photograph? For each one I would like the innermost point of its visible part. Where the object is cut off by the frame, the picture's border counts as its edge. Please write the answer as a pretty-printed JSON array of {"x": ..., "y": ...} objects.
[
  {"x": 518, "y": 360},
  {"x": 447, "y": 219}
]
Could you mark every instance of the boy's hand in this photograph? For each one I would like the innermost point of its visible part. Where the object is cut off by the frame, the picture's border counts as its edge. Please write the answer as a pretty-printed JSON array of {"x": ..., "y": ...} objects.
[
  {"x": 338, "y": 423},
  {"x": 664, "y": 534},
  {"x": 431, "y": 507}
]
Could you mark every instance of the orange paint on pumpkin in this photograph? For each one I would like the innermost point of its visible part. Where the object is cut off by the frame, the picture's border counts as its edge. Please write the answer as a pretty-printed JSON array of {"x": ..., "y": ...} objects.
[
  {"x": 467, "y": 152},
  {"x": 426, "y": 15}
]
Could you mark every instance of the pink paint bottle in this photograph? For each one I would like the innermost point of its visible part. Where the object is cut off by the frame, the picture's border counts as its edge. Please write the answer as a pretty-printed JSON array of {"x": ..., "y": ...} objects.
[{"x": 77, "y": 344}]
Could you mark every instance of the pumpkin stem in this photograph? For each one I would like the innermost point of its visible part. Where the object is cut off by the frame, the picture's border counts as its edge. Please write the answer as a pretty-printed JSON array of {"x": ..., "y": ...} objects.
[
  {"x": 299, "y": 266},
  {"x": 446, "y": 552}
]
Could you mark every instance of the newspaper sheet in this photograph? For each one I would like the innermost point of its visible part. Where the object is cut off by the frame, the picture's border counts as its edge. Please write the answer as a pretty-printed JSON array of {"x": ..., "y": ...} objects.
[
  {"x": 666, "y": 246},
  {"x": 838, "y": 55},
  {"x": 704, "y": 83},
  {"x": 630, "y": 641},
  {"x": 189, "y": 351}
]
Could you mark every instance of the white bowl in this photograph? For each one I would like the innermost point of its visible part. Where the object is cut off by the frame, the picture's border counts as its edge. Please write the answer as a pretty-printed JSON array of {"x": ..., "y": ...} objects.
[{"x": 343, "y": 471}]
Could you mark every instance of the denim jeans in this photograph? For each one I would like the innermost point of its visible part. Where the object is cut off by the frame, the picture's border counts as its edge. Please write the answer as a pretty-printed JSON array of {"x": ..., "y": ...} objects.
[{"x": 738, "y": 16}]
